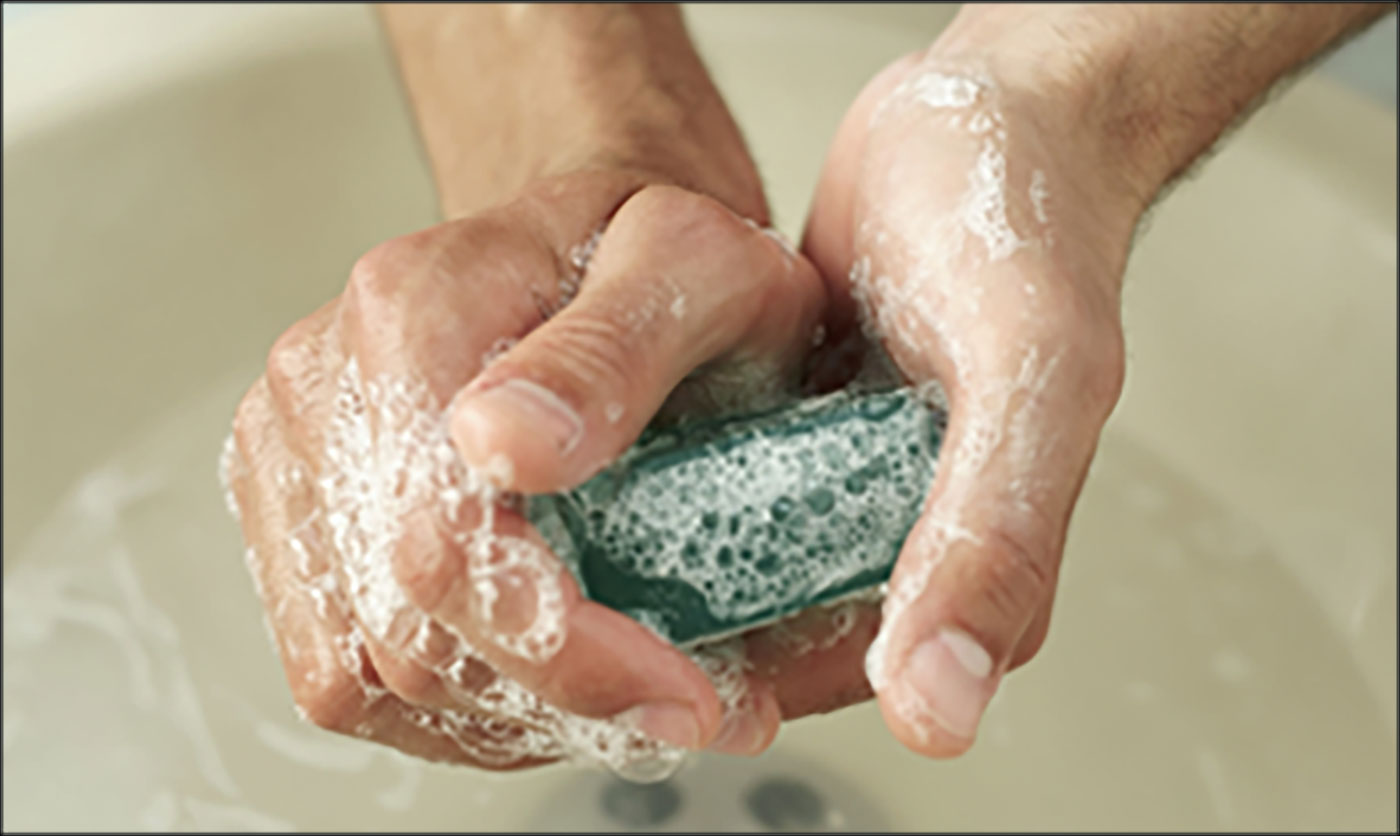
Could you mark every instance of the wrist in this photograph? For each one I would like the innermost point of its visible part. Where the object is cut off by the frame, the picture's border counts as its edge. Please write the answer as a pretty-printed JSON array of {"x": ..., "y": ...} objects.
[
  {"x": 1070, "y": 68},
  {"x": 686, "y": 140},
  {"x": 1146, "y": 89},
  {"x": 560, "y": 89}
]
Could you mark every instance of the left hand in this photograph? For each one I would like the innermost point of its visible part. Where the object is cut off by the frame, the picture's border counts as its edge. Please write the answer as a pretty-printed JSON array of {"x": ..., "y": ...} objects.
[{"x": 963, "y": 216}]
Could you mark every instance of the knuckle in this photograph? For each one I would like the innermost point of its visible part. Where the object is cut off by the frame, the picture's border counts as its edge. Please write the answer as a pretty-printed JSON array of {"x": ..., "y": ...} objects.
[
  {"x": 250, "y": 419},
  {"x": 593, "y": 355},
  {"x": 1092, "y": 340},
  {"x": 1015, "y": 576},
  {"x": 1029, "y": 646},
  {"x": 1098, "y": 359},
  {"x": 1106, "y": 368},
  {"x": 379, "y": 273},
  {"x": 427, "y": 584},
  {"x": 429, "y": 571},
  {"x": 408, "y": 681},
  {"x": 329, "y": 697},
  {"x": 376, "y": 307},
  {"x": 382, "y": 278},
  {"x": 743, "y": 270},
  {"x": 416, "y": 302},
  {"x": 561, "y": 684},
  {"x": 288, "y": 361},
  {"x": 471, "y": 675},
  {"x": 670, "y": 212}
]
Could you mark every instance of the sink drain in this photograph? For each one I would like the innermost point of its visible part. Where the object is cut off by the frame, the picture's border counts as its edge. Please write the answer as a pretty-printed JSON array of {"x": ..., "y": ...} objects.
[
  {"x": 788, "y": 804},
  {"x": 773, "y": 793},
  {"x": 640, "y": 805}
]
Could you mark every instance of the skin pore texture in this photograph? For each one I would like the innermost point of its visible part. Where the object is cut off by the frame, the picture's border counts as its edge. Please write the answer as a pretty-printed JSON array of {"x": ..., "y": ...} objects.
[{"x": 607, "y": 259}]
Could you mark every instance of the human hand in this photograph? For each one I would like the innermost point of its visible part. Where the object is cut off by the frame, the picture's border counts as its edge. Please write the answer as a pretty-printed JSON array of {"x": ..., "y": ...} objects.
[
  {"x": 411, "y": 602},
  {"x": 989, "y": 231},
  {"x": 967, "y": 226},
  {"x": 976, "y": 211}
]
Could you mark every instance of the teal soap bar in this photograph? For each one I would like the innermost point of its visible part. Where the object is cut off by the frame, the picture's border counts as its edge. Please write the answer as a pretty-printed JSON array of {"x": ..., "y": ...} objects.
[{"x": 716, "y": 527}]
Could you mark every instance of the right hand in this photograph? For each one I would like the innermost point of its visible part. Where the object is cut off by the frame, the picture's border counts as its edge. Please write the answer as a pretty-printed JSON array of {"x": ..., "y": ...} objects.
[{"x": 417, "y": 659}]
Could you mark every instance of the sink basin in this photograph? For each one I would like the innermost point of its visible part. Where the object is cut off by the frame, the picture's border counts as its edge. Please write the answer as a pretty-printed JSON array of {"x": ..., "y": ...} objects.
[{"x": 181, "y": 183}]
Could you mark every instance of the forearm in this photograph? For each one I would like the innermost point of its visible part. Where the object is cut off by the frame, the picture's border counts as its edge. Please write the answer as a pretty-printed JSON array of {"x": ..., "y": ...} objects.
[
  {"x": 1155, "y": 84},
  {"x": 504, "y": 94}
]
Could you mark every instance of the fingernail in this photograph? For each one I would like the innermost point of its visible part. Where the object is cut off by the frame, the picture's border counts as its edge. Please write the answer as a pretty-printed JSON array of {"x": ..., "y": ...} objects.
[
  {"x": 665, "y": 720},
  {"x": 523, "y": 403},
  {"x": 740, "y": 734},
  {"x": 950, "y": 673}
]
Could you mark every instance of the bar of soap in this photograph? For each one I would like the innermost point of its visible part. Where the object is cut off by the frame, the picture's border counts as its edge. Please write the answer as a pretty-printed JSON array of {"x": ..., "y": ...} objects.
[{"x": 718, "y": 527}]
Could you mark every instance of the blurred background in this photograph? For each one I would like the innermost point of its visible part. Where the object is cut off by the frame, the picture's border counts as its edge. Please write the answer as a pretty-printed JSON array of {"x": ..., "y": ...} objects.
[{"x": 1367, "y": 64}]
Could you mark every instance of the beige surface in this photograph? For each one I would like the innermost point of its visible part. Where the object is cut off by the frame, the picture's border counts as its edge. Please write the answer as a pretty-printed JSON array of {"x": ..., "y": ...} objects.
[{"x": 182, "y": 183}]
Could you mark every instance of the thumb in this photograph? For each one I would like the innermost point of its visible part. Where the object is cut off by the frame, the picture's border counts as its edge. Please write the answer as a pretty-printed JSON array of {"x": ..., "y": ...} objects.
[
  {"x": 977, "y": 575},
  {"x": 677, "y": 281}
]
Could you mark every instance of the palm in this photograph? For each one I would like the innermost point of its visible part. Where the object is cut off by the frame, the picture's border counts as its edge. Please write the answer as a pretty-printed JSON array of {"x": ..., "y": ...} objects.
[{"x": 956, "y": 231}]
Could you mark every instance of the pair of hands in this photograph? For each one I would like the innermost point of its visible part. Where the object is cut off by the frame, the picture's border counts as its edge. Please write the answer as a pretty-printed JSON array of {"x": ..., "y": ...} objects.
[{"x": 974, "y": 216}]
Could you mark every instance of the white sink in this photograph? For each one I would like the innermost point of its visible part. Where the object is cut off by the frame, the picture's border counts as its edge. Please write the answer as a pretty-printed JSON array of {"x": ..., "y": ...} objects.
[{"x": 181, "y": 183}]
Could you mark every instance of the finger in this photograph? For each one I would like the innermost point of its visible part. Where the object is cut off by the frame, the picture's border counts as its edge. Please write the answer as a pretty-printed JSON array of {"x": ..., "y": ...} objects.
[
  {"x": 752, "y": 714},
  {"x": 981, "y": 563},
  {"x": 333, "y": 680},
  {"x": 1034, "y": 637},
  {"x": 508, "y": 598},
  {"x": 434, "y": 669},
  {"x": 433, "y": 307},
  {"x": 678, "y": 281},
  {"x": 353, "y": 700},
  {"x": 301, "y": 377},
  {"x": 815, "y": 661},
  {"x": 423, "y": 316},
  {"x": 455, "y": 736},
  {"x": 409, "y": 681},
  {"x": 751, "y": 725},
  {"x": 807, "y": 664}
]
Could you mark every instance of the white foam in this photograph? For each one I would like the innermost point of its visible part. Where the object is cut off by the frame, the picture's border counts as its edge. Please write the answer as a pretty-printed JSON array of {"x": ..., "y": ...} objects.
[
  {"x": 720, "y": 520},
  {"x": 941, "y": 90},
  {"x": 230, "y": 468},
  {"x": 579, "y": 256},
  {"x": 372, "y": 479},
  {"x": 984, "y": 206},
  {"x": 1039, "y": 194},
  {"x": 388, "y": 456},
  {"x": 923, "y": 283}
]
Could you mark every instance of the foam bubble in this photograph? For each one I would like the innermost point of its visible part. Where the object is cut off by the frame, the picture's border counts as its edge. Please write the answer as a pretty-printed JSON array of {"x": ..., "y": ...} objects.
[
  {"x": 758, "y": 517},
  {"x": 388, "y": 454}
]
